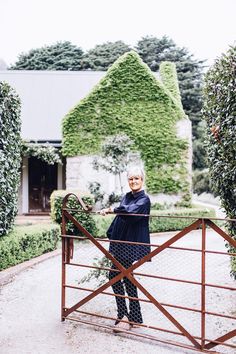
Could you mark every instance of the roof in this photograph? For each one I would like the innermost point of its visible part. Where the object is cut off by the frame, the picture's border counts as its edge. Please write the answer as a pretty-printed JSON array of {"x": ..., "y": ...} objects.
[{"x": 46, "y": 97}]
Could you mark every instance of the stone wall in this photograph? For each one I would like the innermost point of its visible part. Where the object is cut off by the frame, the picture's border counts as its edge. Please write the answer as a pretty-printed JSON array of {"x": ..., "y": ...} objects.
[{"x": 80, "y": 172}]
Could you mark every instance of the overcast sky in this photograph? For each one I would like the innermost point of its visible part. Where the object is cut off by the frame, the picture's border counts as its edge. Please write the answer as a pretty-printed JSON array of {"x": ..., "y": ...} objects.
[{"x": 205, "y": 27}]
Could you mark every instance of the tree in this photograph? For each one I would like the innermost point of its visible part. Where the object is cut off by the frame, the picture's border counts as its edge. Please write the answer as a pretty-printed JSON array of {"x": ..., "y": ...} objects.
[
  {"x": 10, "y": 158},
  {"x": 102, "y": 56},
  {"x": 219, "y": 112},
  {"x": 199, "y": 148},
  {"x": 114, "y": 155},
  {"x": 153, "y": 51},
  {"x": 59, "y": 56}
]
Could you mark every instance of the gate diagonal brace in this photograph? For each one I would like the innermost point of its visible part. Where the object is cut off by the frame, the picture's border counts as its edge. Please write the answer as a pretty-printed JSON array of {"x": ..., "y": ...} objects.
[{"x": 127, "y": 273}]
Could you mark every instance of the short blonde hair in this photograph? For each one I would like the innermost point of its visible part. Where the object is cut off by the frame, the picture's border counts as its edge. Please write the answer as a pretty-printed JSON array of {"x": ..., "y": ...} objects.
[{"x": 135, "y": 171}]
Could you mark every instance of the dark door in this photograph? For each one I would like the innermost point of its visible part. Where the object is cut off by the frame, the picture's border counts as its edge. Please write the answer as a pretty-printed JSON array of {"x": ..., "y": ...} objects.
[{"x": 42, "y": 181}]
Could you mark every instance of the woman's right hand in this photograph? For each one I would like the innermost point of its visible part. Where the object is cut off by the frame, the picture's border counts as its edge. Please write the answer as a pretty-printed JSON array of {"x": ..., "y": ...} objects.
[{"x": 105, "y": 211}]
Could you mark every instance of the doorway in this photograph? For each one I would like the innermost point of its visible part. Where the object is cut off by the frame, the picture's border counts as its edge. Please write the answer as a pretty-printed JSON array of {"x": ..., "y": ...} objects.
[{"x": 42, "y": 182}]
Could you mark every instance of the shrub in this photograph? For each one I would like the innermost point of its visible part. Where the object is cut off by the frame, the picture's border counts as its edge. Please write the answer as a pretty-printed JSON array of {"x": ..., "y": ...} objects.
[
  {"x": 202, "y": 182},
  {"x": 10, "y": 158},
  {"x": 86, "y": 220},
  {"x": 26, "y": 242},
  {"x": 166, "y": 224},
  {"x": 219, "y": 113}
]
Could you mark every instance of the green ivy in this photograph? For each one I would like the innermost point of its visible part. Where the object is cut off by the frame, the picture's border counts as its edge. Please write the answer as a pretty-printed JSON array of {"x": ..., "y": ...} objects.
[
  {"x": 44, "y": 152},
  {"x": 10, "y": 159},
  {"x": 169, "y": 78},
  {"x": 130, "y": 100}
]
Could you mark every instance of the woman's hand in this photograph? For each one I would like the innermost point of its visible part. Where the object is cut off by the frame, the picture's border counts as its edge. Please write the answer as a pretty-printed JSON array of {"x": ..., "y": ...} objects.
[{"x": 106, "y": 211}]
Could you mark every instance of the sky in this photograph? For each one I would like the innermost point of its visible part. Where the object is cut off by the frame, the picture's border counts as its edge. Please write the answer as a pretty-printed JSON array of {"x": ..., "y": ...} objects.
[{"x": 205, "y": 27}]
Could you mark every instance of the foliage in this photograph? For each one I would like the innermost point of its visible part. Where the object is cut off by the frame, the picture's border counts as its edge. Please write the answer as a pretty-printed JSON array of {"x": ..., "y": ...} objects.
[
  {"x": 101, "y": 198},
  {"x": 44, "y": 152},
  {"x": 100, "y": 275},
  {"x": 129, "y": 99},
  {"x": 202, "y": 182},
  {"x": 154, "y": 50},
  {"x": 169, "y": 78},
  {"x": 219, "y": 112},
  {"x": 102, "y": 56},
  {"x": 59, "y": 56},
  {"x": 95, "y": 190},
  {"x": 9, "y": 156},
  {"x": 26, "y": 242},
  {"x": 199, "y": 147},
  {"x": 86, "y": 220},
  {"x": 114, "y": 155}
]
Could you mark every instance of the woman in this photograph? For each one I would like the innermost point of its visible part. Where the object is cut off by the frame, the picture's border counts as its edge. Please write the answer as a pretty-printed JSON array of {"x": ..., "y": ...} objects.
[{"x": 132, "y": 229}]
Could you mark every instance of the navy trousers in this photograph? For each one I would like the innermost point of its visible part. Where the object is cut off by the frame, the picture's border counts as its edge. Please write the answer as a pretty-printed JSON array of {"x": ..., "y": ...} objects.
[{"x": 134, "y": 313}]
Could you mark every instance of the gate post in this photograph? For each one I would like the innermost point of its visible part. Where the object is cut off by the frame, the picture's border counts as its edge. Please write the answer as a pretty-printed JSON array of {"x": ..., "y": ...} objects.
[
  {"x": 63, "y": 266},
  {"x": 203, "y": 286}
]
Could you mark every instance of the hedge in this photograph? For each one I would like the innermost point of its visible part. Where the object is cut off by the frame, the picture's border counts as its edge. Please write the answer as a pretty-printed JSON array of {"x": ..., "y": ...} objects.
[
  {"x": 10, "y": 159},
  {"x": 130, "y": 100},
  {"x": 26, "y": 242},
  {"x": 160, "y": 224},
  {"x": 86, "y": 220},
  {"x": 219, "y": 112}
]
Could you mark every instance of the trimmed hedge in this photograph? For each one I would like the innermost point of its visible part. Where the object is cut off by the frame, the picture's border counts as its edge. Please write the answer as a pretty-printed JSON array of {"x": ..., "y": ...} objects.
[
  {"x": 165, "y": 224},
  {"x": 10, "y": 159},
  {"x": 160, "y": 224},
  {"x": 26, "y": 242},
  {"x": 130, "y": 100},
  {"x": 86, "y": 220},
  {"x": 219, "y": 111}
]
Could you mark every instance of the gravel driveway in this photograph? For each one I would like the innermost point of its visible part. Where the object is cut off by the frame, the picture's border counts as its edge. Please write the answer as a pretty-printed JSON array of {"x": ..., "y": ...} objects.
[{"x": 30, "y": 304}]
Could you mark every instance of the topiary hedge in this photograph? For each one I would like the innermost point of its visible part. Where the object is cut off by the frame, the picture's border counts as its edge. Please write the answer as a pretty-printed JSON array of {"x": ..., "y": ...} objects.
[
  {"x": 219, "y": 111},
  {"x": 130, "y": 100},
  {"x": 26, "y": 242},
  {"x": 10, "y": 158},
  {"x": 86, "y": 220}
]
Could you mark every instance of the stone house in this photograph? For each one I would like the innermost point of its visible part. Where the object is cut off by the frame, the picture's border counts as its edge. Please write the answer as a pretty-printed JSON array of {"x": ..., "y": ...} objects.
[
  {"x": 130, "y": 99},
  {"x": 47, "y": 101}
]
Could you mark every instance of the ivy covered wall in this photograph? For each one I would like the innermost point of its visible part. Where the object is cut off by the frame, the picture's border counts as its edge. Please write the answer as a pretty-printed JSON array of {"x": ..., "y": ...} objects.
[{"x": 131, "y": 100}]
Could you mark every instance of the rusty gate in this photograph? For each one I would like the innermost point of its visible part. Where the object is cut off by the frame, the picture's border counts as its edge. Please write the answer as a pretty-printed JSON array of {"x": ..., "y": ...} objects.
[{"x": 194, "y": 260}]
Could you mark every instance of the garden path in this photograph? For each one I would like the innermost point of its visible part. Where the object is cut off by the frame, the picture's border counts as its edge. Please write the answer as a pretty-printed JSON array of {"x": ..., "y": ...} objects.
[{"x": 30, "y": 312}]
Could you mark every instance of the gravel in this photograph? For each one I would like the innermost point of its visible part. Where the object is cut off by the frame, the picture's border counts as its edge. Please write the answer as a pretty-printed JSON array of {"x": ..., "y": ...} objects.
[{"x": 30, "y": 303}]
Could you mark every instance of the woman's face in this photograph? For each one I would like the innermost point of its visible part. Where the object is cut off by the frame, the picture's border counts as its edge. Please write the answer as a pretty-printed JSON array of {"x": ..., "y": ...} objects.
[{"x": 135, "y": 183}]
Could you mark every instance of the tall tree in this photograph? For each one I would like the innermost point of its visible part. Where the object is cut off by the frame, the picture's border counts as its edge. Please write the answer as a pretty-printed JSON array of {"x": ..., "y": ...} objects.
[
  {"x": 59, "y": 56},
  {"x": 219, "y": 111},
  {"x": 103, "y": 55},
  {"x": 155, "y": 50}
]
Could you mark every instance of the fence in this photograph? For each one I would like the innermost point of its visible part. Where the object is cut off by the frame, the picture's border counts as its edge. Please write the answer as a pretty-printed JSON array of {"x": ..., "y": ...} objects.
[{"x": 181, "y": 303}]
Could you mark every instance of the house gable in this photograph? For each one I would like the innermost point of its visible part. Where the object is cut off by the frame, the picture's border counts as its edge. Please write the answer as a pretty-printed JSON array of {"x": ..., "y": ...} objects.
[{"x": 129, "y": 99}]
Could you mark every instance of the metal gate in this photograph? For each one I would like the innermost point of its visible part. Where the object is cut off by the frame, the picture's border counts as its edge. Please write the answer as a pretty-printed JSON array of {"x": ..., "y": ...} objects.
[{"x": 196, "y": 332}]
